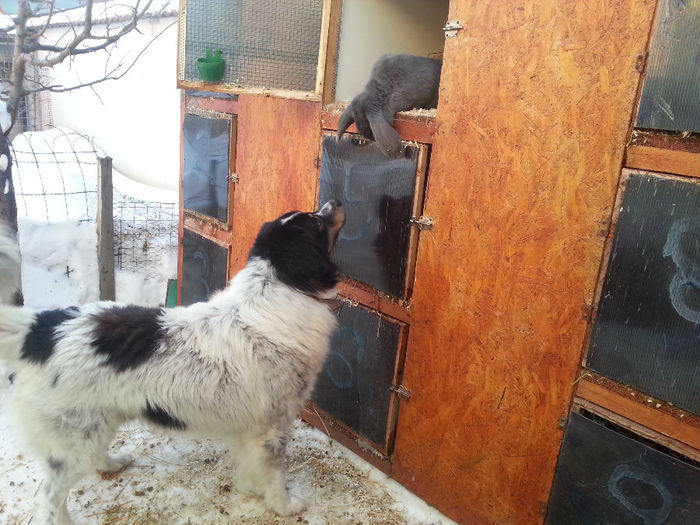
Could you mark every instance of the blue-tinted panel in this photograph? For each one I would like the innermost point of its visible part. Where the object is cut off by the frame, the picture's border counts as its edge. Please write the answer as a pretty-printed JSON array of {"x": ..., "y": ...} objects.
[
  {"x": 671, "y": 92},
  {"x": 377, "y": 193},
  {"x": 605, "y": 478},
  {"x": 206, "y": 169},
  {"x": 355, "y": 383},
  {"x": 203, "y": 267},
  {"x": 647, "y": 329}
]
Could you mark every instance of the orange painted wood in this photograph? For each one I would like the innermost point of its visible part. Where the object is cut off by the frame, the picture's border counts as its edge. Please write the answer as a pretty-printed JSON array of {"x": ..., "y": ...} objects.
[
  {"x": 664, "y": 160},
  {"x": 535, "y": 103},
  {"x": 643, "y": 413},
  {"x": 276, "y": 162}
]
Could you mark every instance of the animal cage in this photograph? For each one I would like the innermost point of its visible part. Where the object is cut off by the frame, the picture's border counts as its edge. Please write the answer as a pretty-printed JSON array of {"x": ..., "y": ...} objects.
[{"x": 518, "y": 333}]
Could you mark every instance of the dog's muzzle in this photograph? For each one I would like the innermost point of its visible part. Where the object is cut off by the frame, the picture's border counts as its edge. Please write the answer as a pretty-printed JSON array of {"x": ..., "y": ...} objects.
[{"x": 333, "y": 216}]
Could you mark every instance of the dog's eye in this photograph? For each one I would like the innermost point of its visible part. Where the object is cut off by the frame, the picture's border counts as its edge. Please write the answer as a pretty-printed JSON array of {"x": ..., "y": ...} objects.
[{"x": 318, "y": 221}]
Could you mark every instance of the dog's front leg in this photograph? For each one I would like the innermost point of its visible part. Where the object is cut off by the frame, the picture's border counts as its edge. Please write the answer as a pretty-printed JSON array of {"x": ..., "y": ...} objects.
[{"x": 261, "y": 469}]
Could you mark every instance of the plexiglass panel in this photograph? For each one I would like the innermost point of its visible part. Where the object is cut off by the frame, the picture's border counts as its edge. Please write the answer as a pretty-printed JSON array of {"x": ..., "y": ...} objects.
[
  {"x": 206, "y": 168},
  {"x": 203, "y": 267},
  {"x": 377, "y": 193},
  {"x": 604, "y": 477},
  {"x": 354, "y": 386},
  {"x": 265, "y": 43},
  {"x": 671, "y": 93},
  {"x": 647, "y": 329}
]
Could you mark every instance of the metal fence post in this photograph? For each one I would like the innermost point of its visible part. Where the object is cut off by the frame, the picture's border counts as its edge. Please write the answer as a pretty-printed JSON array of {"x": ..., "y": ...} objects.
[{"x": 105, "y": 229}]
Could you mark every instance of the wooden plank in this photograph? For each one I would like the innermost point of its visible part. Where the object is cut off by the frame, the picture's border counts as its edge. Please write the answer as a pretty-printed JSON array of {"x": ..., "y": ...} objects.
[
  {"x": 685, "y": 429},
  {"x": 645, "y": 432},
  {"x": 222, "y": 87},
  {"x": 220, "y": 105},
  {"x": 330, "y": 57},
  {"x": 277, "y": 165},
  {"x": 664, "y": 160},
  {"x": 417, "y": 125},
  {"x": 372, "y": 299},
  {"x": 535, "y": 104},
  {"x": 105, "y": 229}
]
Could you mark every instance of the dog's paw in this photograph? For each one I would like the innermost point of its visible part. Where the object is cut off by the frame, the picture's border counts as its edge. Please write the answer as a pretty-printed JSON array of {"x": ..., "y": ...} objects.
[{"x": 115, "y": 463}]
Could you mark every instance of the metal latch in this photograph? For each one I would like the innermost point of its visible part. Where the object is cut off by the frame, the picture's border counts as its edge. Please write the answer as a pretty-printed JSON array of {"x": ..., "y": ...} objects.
[
  {"x": 401, "y": 391},
  {"x": 233, "y": 178},
  {"x": 423, "y": 222},
  {"x": 451, "y": 28}
]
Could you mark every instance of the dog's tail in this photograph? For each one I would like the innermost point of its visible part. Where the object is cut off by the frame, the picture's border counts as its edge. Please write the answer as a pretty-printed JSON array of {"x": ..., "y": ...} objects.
[
  {"x": 14, "y": 322},
  {"x": 9, "y": 266}
]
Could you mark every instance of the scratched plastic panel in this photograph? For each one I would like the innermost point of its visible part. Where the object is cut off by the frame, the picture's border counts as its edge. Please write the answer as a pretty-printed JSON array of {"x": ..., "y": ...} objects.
[
  {"x": 647, "y": 330},
  {"x": 205, "y": 173},
  {"x": 354, "y": 384},
  {"x": 377, "y": 193},
  {"x": 671, "y": 92},
  {"x": 604, "y": 477},
  {"x": 265, "y": 43},
  {"x": 203, "y": 267}
]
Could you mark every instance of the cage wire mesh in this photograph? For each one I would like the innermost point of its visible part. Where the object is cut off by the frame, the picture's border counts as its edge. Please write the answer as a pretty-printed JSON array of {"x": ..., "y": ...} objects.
[
  {"x": 55, "y": 175},
  {"x": 271, "y": 44}
]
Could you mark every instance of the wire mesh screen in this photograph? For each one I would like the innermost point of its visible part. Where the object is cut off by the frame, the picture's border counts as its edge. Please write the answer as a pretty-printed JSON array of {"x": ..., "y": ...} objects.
[
  {"x": 55, "y": 176},
  {"x": 270, "y": 43}
]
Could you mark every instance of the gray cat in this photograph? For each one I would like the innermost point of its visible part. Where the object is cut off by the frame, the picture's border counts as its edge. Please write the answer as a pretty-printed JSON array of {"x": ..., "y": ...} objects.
[{"x": 396, "y": 83}]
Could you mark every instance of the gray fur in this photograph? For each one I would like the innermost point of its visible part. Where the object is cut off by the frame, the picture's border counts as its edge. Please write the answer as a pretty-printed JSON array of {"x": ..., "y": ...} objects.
[{"x": 396, "y": 83}]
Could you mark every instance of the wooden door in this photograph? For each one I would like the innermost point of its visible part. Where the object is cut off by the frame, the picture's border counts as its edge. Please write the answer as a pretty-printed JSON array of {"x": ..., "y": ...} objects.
[{"x": 535, "y": 107}]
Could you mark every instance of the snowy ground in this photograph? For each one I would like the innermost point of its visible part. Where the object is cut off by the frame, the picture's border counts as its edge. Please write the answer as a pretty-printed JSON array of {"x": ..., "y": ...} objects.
[{"x": 174, "y": 479}]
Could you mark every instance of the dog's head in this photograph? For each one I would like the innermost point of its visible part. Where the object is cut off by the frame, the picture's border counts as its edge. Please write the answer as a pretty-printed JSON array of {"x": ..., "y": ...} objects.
[{"x": 299, "y": 245}]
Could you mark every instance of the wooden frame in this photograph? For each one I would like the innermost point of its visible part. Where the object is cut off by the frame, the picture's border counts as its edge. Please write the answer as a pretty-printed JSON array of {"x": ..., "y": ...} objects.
[
  {"x": 366, "y": 294},
  {"x": 673, "y": 153},
  {"x": 329, "y": 21},
  {"x": 197, "y": 217},
  {"x": 638, "y": 412}
]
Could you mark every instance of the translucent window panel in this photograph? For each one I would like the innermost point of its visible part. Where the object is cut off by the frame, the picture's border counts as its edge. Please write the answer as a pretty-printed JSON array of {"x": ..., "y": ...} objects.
[
  {"x": 205, "y": 177},
  {"x": 647, "y": 329},
  {"x": 203, "y": 267},
  {"x": 378, "y": 196},
  {"x": 265, "y": 43},
  {"x": 671, "y": 92},
  {"x": 355, "y": 383},
  {"x": 604, "y": 477}
]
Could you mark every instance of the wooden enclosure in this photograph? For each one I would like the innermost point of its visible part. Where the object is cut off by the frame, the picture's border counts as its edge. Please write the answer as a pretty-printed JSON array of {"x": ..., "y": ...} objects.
[{"x": 516, "y": 202}]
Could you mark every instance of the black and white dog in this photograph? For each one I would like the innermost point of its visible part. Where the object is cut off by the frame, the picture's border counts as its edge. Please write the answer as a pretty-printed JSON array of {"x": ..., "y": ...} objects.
[{"x": 238, "y": 367}]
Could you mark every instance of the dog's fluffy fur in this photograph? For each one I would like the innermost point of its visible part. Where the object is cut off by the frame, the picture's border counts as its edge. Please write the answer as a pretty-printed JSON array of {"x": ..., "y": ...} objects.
[
  {"x": 9, "y": 266},
  {"x": 238, "y": 367}
]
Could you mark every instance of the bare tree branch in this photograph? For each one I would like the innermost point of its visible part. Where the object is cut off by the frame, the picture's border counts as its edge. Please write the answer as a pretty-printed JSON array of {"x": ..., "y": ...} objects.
[{"x": 112, "y": 74}]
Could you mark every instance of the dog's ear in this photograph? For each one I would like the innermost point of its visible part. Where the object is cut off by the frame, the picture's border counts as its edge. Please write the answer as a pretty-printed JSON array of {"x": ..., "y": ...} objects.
[
  {"x": 305, "y": 266},
  {"x": 299, "y": 259},
  {"x": 386, "y": 136}
]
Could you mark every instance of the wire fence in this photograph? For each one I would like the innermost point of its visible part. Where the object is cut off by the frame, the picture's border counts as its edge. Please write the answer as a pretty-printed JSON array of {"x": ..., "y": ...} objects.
[{"x": 55, "y": 174}]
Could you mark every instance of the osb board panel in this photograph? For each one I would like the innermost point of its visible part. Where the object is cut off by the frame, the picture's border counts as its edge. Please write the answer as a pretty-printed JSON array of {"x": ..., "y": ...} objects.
[
  {"x": 535, "y": 104},
  {"x": 276, "y": 158}
]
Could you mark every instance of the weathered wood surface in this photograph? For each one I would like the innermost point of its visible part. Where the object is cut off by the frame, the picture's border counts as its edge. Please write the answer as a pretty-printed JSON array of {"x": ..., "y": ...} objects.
[
  {"x": 535, "y": 104},
  {"x": 277, "y": 165}
]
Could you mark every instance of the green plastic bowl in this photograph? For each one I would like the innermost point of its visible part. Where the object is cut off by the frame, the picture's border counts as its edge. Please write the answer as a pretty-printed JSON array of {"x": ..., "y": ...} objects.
[{"x": 211, "y": 68}]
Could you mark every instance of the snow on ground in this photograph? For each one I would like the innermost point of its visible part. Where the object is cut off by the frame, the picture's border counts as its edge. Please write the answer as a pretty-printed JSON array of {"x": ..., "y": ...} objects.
[
  {"x": 175, "y": 479},
  {"x": 56, "y": 185}
]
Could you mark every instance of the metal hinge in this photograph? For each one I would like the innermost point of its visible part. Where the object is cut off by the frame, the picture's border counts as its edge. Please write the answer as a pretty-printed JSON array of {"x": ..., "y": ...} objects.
[
  {"x": 452, "y": 27},
  {"x": 233, "y": 178},
  {"x": 423, "y": 222},
  {"x": 401, "y": 391}
]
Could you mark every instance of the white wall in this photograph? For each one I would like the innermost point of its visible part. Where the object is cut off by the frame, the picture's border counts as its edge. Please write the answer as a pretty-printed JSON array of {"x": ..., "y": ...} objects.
[
  {"x": 372, "y": 28},
  {"x": 136, "y": 119}
]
